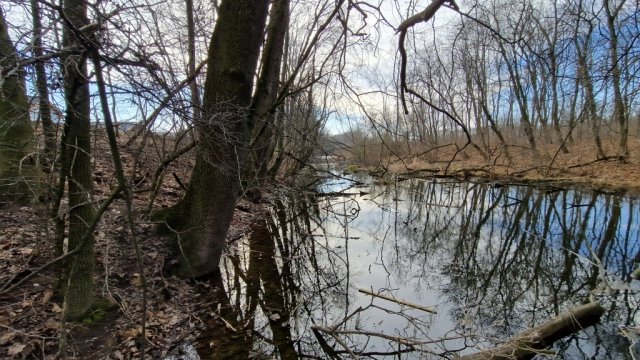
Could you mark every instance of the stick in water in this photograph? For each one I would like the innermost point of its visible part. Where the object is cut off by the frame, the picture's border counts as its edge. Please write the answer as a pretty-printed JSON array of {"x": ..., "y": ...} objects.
[{"x": 398, "y": 301}]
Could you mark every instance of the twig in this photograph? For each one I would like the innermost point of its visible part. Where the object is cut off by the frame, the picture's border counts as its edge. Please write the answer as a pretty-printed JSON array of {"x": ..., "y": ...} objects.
[
  {"x": 122, "y": 183},
  {"x": 606, "y": 158}
]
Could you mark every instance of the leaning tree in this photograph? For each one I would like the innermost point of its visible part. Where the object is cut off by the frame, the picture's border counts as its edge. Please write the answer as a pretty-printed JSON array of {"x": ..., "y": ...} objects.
[{"x": 202, "y": 218}]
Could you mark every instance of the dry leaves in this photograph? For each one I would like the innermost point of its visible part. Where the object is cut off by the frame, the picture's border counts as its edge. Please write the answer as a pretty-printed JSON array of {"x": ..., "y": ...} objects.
[{"x": 16, "y": 349}]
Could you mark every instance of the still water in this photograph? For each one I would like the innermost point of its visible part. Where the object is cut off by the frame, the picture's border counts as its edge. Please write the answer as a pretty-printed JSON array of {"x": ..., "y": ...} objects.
[{"x": 491, "y": 260}]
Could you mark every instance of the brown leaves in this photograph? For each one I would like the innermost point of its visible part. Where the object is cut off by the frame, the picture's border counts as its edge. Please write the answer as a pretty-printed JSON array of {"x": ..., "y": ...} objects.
[
  {"x": 16, "y": 349},
  {"x": 136, "y": 280}
]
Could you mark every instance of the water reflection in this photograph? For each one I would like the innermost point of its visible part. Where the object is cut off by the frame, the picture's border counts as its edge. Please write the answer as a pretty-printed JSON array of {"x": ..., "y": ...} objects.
[{"x": 492, "y": 260}]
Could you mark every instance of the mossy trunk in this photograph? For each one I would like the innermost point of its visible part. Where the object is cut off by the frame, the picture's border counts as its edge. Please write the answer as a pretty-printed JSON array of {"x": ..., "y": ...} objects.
[
  {"x": 18, "y": 170},
  {"x": 76, "y": 163},
  {"x": 201, "y": 220}
]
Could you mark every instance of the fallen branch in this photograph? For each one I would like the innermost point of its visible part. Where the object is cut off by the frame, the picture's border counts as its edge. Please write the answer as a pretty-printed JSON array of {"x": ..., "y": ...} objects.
[
  {"x": 401, "y": 302},
  {"x": 605, "y": 158},
  {"x": 397, "y": 339},
  {"x": 535, "y": 340}
]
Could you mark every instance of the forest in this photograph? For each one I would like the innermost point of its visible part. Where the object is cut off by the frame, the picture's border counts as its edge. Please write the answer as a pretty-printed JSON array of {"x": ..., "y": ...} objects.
[{"x": 208, "y": 179}]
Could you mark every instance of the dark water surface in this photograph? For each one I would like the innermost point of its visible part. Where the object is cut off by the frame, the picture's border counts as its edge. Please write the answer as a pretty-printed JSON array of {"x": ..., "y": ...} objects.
[{"x": 492, "y": 261}]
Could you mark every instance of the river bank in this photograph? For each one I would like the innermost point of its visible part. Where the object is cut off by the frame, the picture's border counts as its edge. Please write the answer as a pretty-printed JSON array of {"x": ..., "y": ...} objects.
[{"x": 578, "y": 169}]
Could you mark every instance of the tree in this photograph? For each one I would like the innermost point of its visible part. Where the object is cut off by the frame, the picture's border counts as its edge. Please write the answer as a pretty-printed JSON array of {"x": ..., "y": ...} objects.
[
  {"x": 76, "y": 161},
  {"x": 202, "y": 218},
  {"x": 17, "y": 170},
  {"x": 619, "y": 112},
  {"x": 263, "y": 114},
  {"x": 583, "y": 48},
  {"x": 44, "y": 107}
]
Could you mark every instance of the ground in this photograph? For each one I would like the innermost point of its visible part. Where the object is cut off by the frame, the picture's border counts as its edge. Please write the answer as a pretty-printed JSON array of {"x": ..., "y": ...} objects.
[{"x": 177, "y": 309}]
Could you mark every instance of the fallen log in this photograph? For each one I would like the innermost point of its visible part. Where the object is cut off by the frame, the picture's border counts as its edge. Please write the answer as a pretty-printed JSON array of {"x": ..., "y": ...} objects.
[{"x": 535, "y": 340}]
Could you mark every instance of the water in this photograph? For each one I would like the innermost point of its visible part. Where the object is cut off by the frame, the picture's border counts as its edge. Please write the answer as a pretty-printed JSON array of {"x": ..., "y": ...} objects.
[{"x": 492, "y": 261}]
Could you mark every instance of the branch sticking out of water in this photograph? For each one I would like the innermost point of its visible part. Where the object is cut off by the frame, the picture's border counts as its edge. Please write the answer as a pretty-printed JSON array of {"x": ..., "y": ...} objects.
[{"x": 398, "y": 301}]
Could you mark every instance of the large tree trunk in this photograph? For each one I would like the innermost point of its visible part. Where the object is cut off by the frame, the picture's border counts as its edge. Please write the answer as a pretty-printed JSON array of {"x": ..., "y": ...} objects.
[
  {"x": 76, "y": 164},
  {"x": 17, "y": 172},
  {"x": 202, "y": 218}
]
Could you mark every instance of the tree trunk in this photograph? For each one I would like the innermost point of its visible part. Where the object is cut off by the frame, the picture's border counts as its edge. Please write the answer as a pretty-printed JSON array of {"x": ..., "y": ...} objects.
[
  {"x": 202, "y": 218},
  {"x": 191, "y": 66},
  {"x": 521, "y": 98},
  {"x": 263, "y": 111},
  {"x": 44, "y": 106},
  {"x": 590, "y": 99},
  {"x": 76, "y": 164},
  {"x": 619, "y": 112},
  {"x": 17, "y": 171}
]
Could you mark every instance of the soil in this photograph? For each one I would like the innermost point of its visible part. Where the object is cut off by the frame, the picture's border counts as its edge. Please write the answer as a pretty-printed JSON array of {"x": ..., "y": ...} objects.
[{"x": 178, "y": 309}]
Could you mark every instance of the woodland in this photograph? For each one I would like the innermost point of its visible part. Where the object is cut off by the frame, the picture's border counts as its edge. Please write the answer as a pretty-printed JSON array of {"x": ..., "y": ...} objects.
[{"x": 139, "y": 140}]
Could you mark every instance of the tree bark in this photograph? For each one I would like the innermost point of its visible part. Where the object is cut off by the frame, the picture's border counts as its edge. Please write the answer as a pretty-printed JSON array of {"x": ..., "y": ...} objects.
[
  {"x": 521, "y": 98},
  {"x": 590, "y": 99},
  {"x": 583, "y": 48},
  {"x": 202, "y": 218}
]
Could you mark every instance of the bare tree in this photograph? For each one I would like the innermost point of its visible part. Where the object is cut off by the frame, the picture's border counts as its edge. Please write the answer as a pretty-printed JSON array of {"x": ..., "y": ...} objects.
[
  {"x": 202, "y": 218},
  {"x": 619, "y": 112},
  {"x": 76, "y": 161}
]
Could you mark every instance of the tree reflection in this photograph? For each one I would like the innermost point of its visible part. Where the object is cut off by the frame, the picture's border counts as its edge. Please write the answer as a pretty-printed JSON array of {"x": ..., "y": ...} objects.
[
  {"x": 500, "y": 259},
  {"x": 517, "y": 256}
]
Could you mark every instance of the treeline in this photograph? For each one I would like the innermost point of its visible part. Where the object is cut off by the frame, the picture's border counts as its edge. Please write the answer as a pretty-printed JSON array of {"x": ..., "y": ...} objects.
[{"x": 501, "y": 74}]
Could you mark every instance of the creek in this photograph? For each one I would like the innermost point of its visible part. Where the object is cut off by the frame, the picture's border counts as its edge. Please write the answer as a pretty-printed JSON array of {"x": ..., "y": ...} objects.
[{"x": 491, "y": 260}]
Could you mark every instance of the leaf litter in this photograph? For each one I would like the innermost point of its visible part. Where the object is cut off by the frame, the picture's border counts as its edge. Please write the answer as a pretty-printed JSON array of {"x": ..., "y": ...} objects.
[{"x": 30, "y": 313}]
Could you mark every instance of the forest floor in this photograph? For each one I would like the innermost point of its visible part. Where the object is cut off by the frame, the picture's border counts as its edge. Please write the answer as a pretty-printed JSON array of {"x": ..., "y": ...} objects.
[{"x": 178, "y": 309}]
